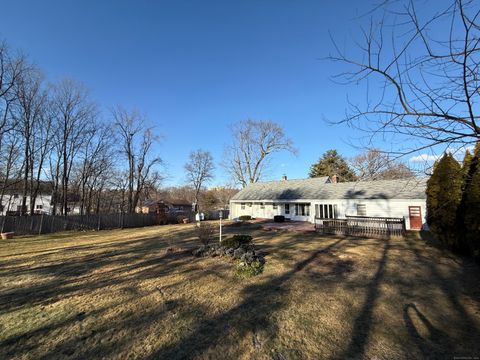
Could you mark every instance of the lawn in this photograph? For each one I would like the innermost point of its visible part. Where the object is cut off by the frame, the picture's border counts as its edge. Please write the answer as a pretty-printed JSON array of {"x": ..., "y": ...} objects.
[{"x": 138, "y": 293}]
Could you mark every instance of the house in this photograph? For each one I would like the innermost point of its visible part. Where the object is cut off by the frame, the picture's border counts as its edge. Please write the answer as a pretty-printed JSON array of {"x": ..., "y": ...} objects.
[
  {"x": 11, "y": 203},
  {"x": 152, "y": 206},
  {"x": 305, "y": 199}
]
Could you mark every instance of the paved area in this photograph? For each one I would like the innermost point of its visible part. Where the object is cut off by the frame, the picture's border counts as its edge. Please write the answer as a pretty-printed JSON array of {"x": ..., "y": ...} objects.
[{"x": 300, "y": 226}]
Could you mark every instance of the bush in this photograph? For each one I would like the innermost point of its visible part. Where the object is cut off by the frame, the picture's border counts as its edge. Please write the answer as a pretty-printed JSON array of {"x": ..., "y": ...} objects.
[
  {"x": 279, "y": 218},
  {"x": 444, "y": 193},
  {"x": 205, "y": 232},
  {"x": 242, "y": 239},
  {"x": 230, "y": 243},
  {"x": 245, "y": 270},
  {"x": 471, "y": 221},
  {"x": 236, "y": 241},
  {"x": 244, "y": 218}
]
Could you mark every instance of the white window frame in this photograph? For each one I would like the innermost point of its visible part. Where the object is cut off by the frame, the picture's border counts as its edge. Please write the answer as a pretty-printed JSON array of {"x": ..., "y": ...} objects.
[
  {"x": 302, "y": 209},
  {"x": 361, "y": 209},
  {"x": 326, "y": 211}
]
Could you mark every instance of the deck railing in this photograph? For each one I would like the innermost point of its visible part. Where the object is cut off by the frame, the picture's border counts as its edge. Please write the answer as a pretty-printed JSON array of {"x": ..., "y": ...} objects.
[{"x": 362, "y": 226}]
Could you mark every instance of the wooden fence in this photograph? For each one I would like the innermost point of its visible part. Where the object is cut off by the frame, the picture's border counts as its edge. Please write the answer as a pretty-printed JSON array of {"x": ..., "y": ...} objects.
[
  {"x": 44, "y": 224},
  {"x": 371, "y": 227}
]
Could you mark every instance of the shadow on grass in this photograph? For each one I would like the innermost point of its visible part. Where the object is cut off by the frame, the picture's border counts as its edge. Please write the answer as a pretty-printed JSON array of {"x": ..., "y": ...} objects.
[
  {"x": 363, "y": 322},
  {"x": 432, "y": 345},
  {"x": 254, "y": 314},
  {"x": 71, "y": 274}
]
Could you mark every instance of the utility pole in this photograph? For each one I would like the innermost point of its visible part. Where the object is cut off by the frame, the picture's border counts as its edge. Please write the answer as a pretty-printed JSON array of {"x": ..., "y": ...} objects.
[{"x": 220, "y": 215}]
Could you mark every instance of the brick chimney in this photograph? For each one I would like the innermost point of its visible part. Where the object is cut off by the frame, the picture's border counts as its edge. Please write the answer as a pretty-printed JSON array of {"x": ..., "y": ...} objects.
[
  {"x": 334, "y": 179},
  {"x": 284, "y": 177}
]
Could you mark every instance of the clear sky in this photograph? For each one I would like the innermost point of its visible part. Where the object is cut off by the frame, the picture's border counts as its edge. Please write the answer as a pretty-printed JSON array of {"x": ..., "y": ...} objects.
[{"x": 194, "y": 67}]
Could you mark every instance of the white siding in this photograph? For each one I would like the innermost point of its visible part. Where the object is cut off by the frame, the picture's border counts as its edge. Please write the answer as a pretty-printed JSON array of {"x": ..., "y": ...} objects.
[
  {"x": 10, "y": 203},
  {"x": 374, "y": 207}
]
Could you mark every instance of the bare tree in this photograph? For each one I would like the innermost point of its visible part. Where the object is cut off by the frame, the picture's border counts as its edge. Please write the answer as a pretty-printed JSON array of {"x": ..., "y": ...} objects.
[
  {"x": 420, "y": 72},
  {"x": 199, "y": 171},
  {"x": 246, "y": 159},
  {"x": 377, "y": 165},
  {"x": 11, "y": 167},
  {"x": 96, "y": 158},
  {"x": 11, "y": 67},
  {"x": 34, "y": 124},
  {"x": 137, "y": 140},
  {"x": 75, "y": 115}
]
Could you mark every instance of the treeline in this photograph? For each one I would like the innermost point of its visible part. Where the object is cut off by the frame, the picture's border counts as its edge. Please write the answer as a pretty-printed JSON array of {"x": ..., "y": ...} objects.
[
  {"x": 373, "y": 164},
  {"x": 54, "y": 134},
  {"x": 453, "y": 202}
]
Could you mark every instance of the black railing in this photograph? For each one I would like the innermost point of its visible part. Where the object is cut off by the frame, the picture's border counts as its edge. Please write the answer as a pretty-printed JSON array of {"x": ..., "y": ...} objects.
[{"x": 362, "y": 226}]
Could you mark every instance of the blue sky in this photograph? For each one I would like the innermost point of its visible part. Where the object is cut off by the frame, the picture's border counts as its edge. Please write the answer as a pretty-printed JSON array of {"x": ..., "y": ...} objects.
[{"x": 195, "y": 67}]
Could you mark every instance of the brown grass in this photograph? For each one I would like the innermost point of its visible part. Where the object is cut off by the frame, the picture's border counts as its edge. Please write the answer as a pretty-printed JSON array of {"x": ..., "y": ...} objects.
[{"x": 138, "y": 293}]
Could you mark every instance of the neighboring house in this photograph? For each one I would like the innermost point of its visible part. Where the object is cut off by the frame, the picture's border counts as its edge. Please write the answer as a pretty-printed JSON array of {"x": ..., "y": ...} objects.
[
  {"x": 305, "y": 199},
  {"x": 11, "y": 203},
  {"x": 73, "y": 205},
  {"x": 151, "y": 206}
]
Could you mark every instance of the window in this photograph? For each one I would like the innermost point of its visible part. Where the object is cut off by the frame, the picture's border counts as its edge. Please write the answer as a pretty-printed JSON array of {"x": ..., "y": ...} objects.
[
  {"x": 262, "y": 205},
  {"x": 287, "y": 209},
  {"x": 326, "y": 211},
  {"x": 39, "y": 207},
  {"x": 242, "y": 206},
  {"x": 361, "y": 210},
  {"x": 15, "y": 196},
  {"x": 302, "y": 209},
  {"x": 275, "y": 206}
]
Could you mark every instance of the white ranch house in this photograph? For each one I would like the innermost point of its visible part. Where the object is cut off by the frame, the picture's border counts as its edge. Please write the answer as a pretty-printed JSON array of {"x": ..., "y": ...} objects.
[{"x": 305, "y": 199}]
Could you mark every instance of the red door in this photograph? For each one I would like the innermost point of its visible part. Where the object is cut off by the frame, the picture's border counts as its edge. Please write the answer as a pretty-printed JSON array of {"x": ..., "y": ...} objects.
[{"x": 415, "y": 215}]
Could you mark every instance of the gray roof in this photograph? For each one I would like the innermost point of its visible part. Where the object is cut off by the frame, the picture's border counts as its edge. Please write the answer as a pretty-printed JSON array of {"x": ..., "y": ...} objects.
[{"x": 319, "y": 188}]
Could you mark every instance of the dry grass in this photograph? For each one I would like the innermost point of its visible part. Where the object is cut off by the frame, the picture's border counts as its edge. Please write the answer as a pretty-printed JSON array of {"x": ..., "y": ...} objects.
[{"x": 139, "y": 294}]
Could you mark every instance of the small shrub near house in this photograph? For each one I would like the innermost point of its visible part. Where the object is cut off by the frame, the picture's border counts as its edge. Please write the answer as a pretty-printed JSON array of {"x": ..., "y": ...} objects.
[
  {"x": 279, "y": 218},
  {"x": 245, "y": 218}
]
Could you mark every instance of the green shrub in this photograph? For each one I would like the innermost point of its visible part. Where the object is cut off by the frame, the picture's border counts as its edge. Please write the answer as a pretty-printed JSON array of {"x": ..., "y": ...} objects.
[
  {"x": 444, "y": 193},
  {"x": 472, "y": 214},
  {"x": 244, "y": 218},
  {"x": 242, "y": 239},
  {"x": 245, "y": 270},
  {"x": 236, "y": 240},
  {"x": 230, "y": 243}
]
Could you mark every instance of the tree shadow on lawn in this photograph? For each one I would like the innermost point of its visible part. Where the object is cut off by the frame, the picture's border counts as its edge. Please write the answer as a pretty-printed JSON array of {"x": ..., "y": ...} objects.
[
  {"x": 254, "y": 314},
  {"x": 363, "y": 322},
  {"x": 462, "y": 281},
  {"x": 72, "y": 275}
]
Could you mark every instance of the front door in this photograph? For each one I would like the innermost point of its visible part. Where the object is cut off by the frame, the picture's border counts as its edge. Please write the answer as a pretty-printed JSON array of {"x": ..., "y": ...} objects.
[{"x": 415, "y": 215}]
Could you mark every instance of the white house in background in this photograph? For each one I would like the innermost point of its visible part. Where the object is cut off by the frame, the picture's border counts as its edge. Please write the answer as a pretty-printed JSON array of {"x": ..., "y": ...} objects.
[
  {"x": 12, "y": 202},
  {"x": 305, "y": 199}
]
